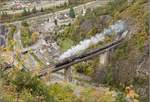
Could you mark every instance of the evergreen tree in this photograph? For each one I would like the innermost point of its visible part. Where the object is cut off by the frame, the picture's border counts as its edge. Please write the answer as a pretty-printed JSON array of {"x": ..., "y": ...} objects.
[
  {"x": 42, "y": 10},
  {"x": 4, "y": 13},
  {"x": 72, "y": 13},
  {"x": 55, "y": 21},
  {"x": 25, "y": 12},
  {"x": 28, "y": 11},
  {"x": 34, "y": 10}
]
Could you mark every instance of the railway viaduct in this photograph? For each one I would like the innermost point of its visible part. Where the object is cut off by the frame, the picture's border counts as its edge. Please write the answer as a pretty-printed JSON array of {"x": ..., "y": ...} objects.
[{"x": 66, "y": 65}]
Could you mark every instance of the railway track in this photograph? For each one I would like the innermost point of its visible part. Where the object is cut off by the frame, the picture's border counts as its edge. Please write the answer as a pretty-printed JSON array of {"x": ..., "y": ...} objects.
[
  {"x": 82, "y": 57},
  {"x": 76, "y": 59}
]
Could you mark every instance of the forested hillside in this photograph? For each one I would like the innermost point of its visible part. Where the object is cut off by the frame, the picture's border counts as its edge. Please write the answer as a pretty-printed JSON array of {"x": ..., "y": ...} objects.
[{"x": 123, "y": 79}]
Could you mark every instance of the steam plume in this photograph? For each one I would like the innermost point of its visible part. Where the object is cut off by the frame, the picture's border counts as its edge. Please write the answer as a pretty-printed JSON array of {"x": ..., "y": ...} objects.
[{"x": 117, "y": 28}]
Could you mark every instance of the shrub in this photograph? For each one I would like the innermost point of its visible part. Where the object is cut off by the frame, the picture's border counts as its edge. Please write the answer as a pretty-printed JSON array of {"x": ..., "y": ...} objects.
[
  {"x": 116, "y": 5},
  {"x": 34, "y": 37},
  {"x": 34, "y": 86},
  {"x": 65, "y": 44},
  {"x": 10, "y": 37},
  {"x": 87, "y": 68},
  {"x": 62, "y": 94},
  {"x": 121, "y": 97},
  {"x": 25, "y": 36}
]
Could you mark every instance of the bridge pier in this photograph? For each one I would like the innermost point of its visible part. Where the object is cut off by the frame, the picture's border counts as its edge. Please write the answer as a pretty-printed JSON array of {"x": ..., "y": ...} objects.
[
  {"x": 101, "y": 72},
  {"x": 104, "y": 58},
  {"x": 68, "y": 74}
]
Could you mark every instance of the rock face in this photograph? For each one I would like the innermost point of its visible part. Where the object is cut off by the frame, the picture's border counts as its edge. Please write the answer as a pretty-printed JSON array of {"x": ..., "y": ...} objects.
[
  {"x": 2, "y": 41},
  {"x": 2, "y": 29},
  {"x": 3, "y": 32},
  {"x": 105, "y": 19}
]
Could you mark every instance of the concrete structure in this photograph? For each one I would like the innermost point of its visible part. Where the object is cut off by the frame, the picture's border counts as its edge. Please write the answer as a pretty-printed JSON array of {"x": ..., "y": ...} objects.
[
  {"x": 103, "y": 59},
  {"x": 68, "y": 74}
]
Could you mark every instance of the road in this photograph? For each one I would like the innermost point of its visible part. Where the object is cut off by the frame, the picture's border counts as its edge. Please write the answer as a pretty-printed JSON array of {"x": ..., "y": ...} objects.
[
  {"x": 38, "y": 6},
  {"x": 78, "y": 10}
]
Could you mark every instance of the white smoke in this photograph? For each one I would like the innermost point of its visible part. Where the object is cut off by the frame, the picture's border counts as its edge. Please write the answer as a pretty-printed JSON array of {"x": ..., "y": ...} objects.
[{"x": 117, "y": 28}]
